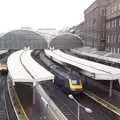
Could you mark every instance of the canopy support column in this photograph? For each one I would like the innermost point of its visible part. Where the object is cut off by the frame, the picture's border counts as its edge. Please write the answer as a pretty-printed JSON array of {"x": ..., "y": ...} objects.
[
  {"x": 110, "y": 88},
  {"x": 34, "y": 86}
]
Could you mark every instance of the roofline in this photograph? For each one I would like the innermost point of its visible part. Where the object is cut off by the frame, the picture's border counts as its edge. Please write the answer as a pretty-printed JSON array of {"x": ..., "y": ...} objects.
[{"x": 90, "y": 6}]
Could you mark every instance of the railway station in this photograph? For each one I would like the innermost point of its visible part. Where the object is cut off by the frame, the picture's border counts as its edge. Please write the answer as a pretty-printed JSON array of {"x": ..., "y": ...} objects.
[
  {"x": 35, "y": 87},
  {"x": 67, "y": 74}
]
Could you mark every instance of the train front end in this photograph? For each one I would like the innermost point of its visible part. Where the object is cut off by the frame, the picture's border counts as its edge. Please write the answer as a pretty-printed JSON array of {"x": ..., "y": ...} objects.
[{"x": 75, "y": 86}]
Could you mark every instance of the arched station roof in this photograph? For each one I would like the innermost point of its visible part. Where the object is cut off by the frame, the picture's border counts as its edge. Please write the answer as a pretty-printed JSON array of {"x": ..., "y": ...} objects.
[
  {"x": 18, "y": 39},
  {"x": 66, "y": 41}
]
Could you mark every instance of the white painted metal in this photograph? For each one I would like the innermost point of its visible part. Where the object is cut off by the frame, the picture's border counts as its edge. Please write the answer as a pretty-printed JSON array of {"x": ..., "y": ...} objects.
[{"x": 93, "y": 69}]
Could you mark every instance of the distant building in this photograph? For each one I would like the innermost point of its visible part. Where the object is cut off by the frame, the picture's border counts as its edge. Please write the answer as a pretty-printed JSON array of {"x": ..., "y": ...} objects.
[
  {"x": 48, "y": 33},
  {"x": 51, "y": 31},
  {"x": 113, "y": 26},
  {"x": 101, "y": 26}
]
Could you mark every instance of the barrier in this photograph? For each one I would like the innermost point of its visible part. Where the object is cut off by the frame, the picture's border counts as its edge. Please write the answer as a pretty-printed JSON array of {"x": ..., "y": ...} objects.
[{"x": 50, "y": 110}]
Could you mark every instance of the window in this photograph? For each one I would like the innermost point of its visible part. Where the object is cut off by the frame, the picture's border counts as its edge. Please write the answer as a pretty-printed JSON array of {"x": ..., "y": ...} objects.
[
  {"x": 115, "y": 23},
  {"x": 119, "y": 6},
  {"x": 118, "y": 50},
  {"x": 119, "y": 22},
  {"x": 115, "y": 8},
  {"x": 111, "y": 9},
  {"x": 108, "y": 40},
  {"x": 108, "y": 25}
]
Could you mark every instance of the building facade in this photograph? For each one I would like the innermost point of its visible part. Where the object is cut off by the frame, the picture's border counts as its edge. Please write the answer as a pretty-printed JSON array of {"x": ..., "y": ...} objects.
[
  {"x": 90, "y": 35},
  {"x": 113, "y": 26},
  {"x": 100, "y": 28}
]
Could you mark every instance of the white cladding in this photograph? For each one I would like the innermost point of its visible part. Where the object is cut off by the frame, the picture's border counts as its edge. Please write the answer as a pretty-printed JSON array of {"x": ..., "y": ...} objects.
[{"x": 96, "y": 70}]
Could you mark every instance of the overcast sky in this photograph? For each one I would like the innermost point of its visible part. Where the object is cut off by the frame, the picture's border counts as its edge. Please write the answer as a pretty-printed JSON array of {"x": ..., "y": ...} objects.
[{"x": 41, "y": 13}]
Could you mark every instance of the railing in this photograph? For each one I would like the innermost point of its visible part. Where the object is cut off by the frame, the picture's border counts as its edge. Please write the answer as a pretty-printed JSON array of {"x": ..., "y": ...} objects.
[{"x": 52, "y": 110}]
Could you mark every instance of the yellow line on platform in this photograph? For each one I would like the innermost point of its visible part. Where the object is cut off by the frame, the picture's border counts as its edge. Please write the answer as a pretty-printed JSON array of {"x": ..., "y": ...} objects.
[
  {"x": 21, "y": 109},
  {"x": 103, "y": 102}
]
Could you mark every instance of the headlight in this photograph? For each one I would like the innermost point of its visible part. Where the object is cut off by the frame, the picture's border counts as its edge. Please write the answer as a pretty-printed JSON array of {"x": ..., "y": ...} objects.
[{"x": 74, "y": 82}]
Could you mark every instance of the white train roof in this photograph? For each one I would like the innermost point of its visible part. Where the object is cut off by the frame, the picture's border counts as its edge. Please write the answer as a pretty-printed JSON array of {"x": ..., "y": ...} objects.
[{"x": 96, "y": 70}]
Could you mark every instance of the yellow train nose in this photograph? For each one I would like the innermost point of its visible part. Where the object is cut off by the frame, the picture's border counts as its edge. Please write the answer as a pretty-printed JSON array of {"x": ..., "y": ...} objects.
[
  {"x": 78, "y": 85},
  {"x": 3, "y": 67}
]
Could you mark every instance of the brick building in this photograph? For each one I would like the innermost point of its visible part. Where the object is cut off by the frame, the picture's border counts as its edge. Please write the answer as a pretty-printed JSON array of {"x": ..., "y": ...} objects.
[{"x": 100, "y": 28}]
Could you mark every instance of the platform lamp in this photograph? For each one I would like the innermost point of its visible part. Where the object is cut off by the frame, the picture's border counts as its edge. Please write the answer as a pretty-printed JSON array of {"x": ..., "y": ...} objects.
[{"x": 88, "y": 110}]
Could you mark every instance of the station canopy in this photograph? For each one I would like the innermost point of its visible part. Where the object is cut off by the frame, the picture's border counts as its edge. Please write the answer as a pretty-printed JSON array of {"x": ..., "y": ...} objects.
[
  {"x": 66, "y": 41},
  {"x": 18, "y": 39}
]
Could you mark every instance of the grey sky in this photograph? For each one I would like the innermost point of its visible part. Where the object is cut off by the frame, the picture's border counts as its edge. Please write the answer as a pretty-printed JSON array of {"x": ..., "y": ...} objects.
[{"x": 41, "y": 13}]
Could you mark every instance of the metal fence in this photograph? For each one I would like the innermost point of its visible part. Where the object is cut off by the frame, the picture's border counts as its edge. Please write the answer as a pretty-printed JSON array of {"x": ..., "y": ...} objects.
[{"x": 48, "y": 109}]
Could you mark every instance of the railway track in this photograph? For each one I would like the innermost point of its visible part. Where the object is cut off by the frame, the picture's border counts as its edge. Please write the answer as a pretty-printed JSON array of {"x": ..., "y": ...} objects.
[
  {"x": 3, "y": 109},
  {"x": 4, "y": 114},
  {"x": 7, "y": 108}
]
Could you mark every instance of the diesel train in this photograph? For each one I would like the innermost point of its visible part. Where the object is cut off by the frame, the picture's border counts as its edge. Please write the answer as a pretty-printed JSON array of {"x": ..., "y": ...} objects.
[{"x": 67, "y": 79}]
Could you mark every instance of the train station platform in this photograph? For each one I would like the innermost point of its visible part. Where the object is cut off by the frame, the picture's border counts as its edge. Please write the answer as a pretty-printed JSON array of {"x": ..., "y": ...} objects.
[
  {"x": 94, "y": 70},
  {"x": 69, "y": 107},
  {"x": 94, "y": 53},
  {"x": 24, "y": 93},
  {"x": 101, "y": 91},
  {"x": 22, "y": 67}
]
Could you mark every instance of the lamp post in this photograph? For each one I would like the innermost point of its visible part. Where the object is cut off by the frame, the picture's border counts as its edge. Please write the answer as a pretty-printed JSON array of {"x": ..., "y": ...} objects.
[{"x": 88, "y": 110}]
